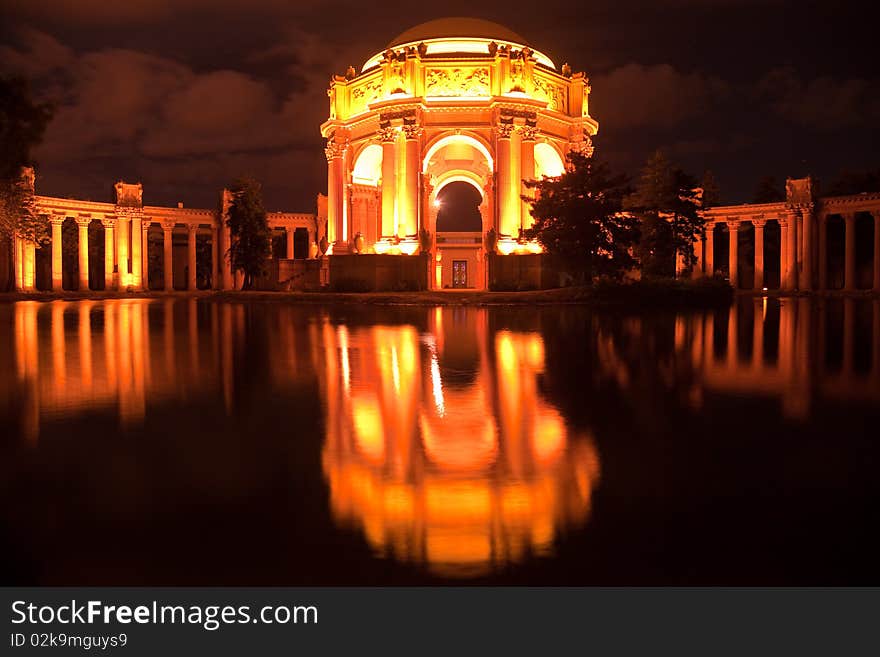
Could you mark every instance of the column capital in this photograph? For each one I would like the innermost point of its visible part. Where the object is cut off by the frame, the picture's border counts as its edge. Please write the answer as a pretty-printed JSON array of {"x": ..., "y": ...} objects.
[
  {"x": 56, "y": 220},
  {"x": 756, "y": 222},
  {"x": 504, "y": 130},
  {"x": 733, "y": 224},
  {"x": 528, "y": 132},
  {"x": 412, "y": 131},
  {"x": 192, "y": 228},
  {"x": 168, "y": 226},
  {"x": 83, "y": 221},
  {"x": 334, "y": 149},
  {"x": 876, "y": 214},
  {"x": 109, "y": 222},
  {"x": 387, "y": 134}
]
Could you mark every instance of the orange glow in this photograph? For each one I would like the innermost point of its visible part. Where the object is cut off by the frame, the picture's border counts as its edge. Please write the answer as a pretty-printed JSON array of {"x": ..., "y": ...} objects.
[{"x": 436, "y": 491}]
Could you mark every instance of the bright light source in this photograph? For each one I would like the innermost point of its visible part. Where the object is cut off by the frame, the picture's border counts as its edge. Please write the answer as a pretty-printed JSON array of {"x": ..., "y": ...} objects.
[{"x": 437, "y": 203}]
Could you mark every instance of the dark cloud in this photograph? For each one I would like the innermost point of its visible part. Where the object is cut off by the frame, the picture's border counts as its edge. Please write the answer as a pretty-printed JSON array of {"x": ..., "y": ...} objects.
[{"x": 185, "y": 96}]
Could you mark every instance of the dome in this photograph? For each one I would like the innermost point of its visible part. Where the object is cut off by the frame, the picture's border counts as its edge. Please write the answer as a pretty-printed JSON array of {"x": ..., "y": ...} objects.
[
  {"x": 450, "y": 36},
  {"x": 457, "y": 27}
]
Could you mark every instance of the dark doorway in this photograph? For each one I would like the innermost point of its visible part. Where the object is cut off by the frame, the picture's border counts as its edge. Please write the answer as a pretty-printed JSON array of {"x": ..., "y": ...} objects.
[{"x": 301, "y": 243}]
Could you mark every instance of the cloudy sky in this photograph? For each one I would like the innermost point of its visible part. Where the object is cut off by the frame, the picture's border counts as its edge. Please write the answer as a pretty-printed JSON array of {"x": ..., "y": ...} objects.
[{"x": 185, "y": 96}]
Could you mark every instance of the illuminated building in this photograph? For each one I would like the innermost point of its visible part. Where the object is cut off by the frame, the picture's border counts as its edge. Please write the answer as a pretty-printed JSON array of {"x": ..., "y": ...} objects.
[
  {"x": 455, "y": 100},
  {"x": 451, "y": 100}
]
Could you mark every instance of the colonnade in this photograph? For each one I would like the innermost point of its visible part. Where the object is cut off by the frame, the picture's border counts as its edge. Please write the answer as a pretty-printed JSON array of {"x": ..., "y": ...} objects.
[
  {"x": 126, "y": 227},
  {"x": 803, "y": 248}
]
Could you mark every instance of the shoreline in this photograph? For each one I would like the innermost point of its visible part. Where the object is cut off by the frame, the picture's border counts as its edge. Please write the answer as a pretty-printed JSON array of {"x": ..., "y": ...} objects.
[{"x": 672, "y": 293}]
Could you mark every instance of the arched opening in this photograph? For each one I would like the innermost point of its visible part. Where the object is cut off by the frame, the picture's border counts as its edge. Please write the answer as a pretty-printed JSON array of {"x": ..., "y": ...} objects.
[
  {"x": 458, "y": 208},
  {"x": 548, "y": 161},
  {"x": 368, "y": 166}
]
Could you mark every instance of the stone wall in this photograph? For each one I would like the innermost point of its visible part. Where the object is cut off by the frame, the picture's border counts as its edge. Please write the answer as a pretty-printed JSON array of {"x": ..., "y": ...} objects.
[{"x": 375, "y": 273}]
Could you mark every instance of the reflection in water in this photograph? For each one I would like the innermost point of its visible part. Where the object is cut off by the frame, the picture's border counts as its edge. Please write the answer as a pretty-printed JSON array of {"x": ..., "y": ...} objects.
[
  {"x": 456, "y": 442},
  {"x": 462, "y": 477}
]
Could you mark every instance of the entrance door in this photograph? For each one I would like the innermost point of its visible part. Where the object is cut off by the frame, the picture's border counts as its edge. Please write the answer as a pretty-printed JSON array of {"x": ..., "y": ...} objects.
[{"x": 459, "y": 273}]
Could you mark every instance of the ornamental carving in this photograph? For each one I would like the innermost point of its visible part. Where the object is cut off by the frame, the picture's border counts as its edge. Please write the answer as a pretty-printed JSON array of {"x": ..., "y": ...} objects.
[
  {"x": 584, "y": 147},
  {"x": 365, "y": 94},
  {"x": 334, "y": 149},
  {"x": 528, "y": 132},
  {"x": 504, "y": 130},
  {"x": 387, "y": 133},
  {"x": 554, "y": 94},
  {"x": 412, "y": 131},
  {"x": 452, "y": 82},
  {"x": 129, "y": 195}
]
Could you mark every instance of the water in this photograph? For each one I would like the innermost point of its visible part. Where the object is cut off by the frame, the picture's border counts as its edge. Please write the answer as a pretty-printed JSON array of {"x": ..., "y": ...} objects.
[{"x": 194, "y": 442}]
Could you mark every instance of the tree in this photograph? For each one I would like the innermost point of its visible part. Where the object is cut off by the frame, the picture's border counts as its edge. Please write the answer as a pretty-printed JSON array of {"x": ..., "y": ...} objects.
[
  {"x": 768, "y": 191},
  {"x": 855, "y": 182},
  {"x": 578, "y": 218},
  {"x": 711, "y": 191},
  {"x": 22, "y": 124},
  {"x": 249, "y": 230},
  {"x": 666, "y": 201}
]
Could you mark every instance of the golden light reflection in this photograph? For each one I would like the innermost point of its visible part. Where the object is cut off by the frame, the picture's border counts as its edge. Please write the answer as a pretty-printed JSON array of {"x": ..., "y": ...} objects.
[
  {"x": 74, "y": 357},
  {"x": 459, "y": 478}
]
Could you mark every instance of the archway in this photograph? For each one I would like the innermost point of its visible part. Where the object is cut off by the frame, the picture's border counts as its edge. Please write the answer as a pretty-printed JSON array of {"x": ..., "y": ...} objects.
[
  {"x": 458, "y": 208},
  {"x": 548, "y": 161}
]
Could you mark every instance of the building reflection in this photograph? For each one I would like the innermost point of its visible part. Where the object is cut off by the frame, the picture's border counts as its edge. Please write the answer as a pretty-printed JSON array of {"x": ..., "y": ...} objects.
[
  {"x": 440, "y": 448},
  {"x": 76, "y": 357}
]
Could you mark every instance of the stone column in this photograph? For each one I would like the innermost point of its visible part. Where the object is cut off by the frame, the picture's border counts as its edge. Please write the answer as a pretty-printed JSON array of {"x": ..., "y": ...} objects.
[
  {"x": 509, "y": 204},
  {"x": 191, "y": 283},
  {"x": 335, "y": 195},
  {"x": 410, "y": 211},
  {"x": 57, "y": 259},
  {"x": 168, "y": 255},
  {"x": 699, "y": 245},
  {"x": 792, "y": 252},
  {"x": 806, "y": 279},
  {"x": 83, "y": 225},
  {"x": 215, "y": 258},
  {"x": 710, "y": 250},
  {"x": 389, "y": 177},
  {"x": 145, "y": 254},
  {"x": 289, "y": 232},
  {"x": 849, "y": 278},
  {"x": 109, "y": 253},
  {"x": 527, "y": 171},
  {"x": 122, "y": 228},
  {"x": 822, "y": 226},
  {"x": 732, "y": 335},
  {"x": 759, "y": 253},
  {"x": 758, "y": 335},
  {"x": 876, "y": 285},
  {"x": 136, "y": 256},
  {"x": 733, "y": 261},
  {"x": 28, "y": 265},
  {"x": 783, "y": 254}
]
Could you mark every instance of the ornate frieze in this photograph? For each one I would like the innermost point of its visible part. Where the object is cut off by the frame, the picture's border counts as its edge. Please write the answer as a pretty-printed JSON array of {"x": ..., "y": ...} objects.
[
  {"x": 364, "y": 94},
  {"x": 555, "y": 94},
  {"x": 452, "y": 82}
]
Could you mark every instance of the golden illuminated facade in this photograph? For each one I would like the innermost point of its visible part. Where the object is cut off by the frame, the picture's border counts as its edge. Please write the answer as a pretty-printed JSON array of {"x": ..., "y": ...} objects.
[{"x": 449, "y": 100}]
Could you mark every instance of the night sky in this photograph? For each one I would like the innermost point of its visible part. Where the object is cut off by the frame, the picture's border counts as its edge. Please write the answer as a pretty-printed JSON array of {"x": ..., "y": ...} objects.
[{"x": 186, "y": 98}]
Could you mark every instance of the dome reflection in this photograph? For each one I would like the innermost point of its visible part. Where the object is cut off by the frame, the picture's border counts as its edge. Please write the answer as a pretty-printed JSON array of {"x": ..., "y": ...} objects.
[{"x": 461, "y": 480}]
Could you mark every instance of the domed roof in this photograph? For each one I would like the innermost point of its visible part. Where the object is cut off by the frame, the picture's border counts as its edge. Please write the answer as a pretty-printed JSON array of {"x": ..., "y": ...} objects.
[{"x": 457, "y": 27}]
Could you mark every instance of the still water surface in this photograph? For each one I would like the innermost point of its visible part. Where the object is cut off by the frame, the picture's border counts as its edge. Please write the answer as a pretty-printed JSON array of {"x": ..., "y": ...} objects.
[{"x": 175, "y": 441}]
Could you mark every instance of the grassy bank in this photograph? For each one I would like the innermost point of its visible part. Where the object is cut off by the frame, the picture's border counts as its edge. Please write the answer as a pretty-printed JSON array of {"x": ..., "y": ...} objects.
[{"x": 635, "y": 295}]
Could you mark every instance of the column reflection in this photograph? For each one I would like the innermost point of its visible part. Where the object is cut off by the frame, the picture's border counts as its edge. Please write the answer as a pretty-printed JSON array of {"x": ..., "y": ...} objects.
[{"x": 440, "y": 448}]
